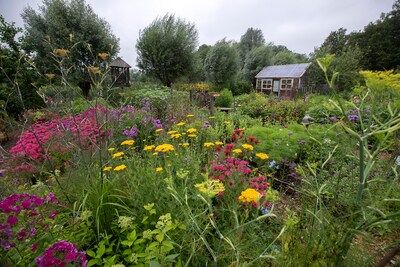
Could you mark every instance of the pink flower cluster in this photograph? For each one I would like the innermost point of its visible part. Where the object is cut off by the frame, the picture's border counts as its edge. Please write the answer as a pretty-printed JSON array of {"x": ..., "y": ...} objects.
[
  {"x": 228, "y": 167},
  {"x": 23, "y": 208},
  {"x": 83, "y": 126},
  {"x": 260, "y": 184},
  {"x": 62, "y": 253}
]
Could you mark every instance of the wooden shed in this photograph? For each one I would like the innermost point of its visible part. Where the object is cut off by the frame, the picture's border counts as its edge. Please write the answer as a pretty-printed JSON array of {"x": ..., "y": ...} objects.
[
  {"x": 284, "y": 81},
  {"x": 119, "y": 70}
]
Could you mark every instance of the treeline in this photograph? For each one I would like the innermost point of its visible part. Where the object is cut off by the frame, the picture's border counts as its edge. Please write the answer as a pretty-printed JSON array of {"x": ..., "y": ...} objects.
[{"x": 64, "y": 40}]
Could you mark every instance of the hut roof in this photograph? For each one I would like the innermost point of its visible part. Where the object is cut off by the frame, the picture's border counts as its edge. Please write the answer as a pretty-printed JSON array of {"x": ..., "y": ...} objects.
[
  {"x": 284, "y": 71},
  {"x": 119, "y": 62}
]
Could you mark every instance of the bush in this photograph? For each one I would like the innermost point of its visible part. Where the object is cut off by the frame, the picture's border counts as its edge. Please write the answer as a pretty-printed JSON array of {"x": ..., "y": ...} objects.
[
  {"x": 225, "y": 99},
  {"x": 323, "y": 109},
  {"x": 58, "y": 93}
]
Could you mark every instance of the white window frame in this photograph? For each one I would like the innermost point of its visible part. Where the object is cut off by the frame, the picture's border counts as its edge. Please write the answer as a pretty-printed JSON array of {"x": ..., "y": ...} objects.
[
  {"x": 283, "y": 85},
  {"x": 267, "y": 86}
]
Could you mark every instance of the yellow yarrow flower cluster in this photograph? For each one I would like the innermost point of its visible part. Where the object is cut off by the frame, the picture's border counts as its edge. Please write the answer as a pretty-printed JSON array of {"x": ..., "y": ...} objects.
[
  {"x": 191, "y": 131},
  {"x": 262, "y": 156},
  {"x": 159, "y": 130},
  {"x": 218, "y": 143},
  {"x": 208, "y": 144},
  {"x": 192, "y": 135},
  {"x": 249, "y": 195},
  {"x": 184, "y": 144},
  {"x": 189, "y": 115},
  {"x": 120, "y": 167},
  {"x": 180, "y": 123},
  {"x": 107, "y": 168},
  {"x": 128, "y": 142},
  {"x": 159, "y": 169},
  {"x": 210, "y": 188},
  {"x": 176, "y": 135},
  {"x": 149, "y": 147},
  {"x": 237, "y": 151},
  {"x": 118, "y": 155},
  {"x": 248, "y": 147},
  {"x": 164, "y": 148},
  {"x": 172, "y": 132}
]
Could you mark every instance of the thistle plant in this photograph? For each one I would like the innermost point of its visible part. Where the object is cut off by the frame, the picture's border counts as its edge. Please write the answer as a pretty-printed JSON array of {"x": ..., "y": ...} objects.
[{"x": 374, "y": 127}]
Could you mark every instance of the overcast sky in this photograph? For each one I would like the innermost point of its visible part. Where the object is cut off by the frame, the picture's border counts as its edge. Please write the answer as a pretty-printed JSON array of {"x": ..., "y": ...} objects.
[{"x": 298, "y": 24}]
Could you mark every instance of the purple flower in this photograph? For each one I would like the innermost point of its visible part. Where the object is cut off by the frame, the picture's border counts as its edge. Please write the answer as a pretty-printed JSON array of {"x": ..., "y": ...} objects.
[
  {"x": 157, "y": 123},
  {"x": 353, "y": 117},
  {"x": 62, "y": 253},
  {"x": 132, "y": 132}
]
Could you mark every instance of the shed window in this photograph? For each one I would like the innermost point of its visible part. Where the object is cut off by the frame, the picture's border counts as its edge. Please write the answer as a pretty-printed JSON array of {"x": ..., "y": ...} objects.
[
  {"x": 258, "y": 84},
  {"x": 266, "y": 84},
  {"x": 286, "y": 83}
]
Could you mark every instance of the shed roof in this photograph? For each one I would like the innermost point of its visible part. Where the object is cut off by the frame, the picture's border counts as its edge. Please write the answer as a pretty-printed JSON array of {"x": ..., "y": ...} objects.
[
  {"x": 119, "y": 62},
  {"x": 285, "y": 71}
]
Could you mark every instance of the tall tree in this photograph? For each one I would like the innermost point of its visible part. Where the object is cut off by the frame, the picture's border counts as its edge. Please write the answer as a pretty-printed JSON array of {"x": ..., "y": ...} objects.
[
  {"x": 284, "y": 57},
  {"x": 17, "y": 77},
  {"x": 252, "y": 38},
  {"x": 379, "y": 41},
  {"x": 221, "y": 63},
  {"x": 166, "y": 48},
  {"x": 336, "y": 42},
  {"x": 70, "y": 25},
  {"x": 256, "y": 59}
]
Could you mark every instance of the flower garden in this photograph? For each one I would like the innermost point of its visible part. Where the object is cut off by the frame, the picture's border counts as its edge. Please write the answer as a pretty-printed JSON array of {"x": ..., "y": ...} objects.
[{"x": 156, "y": 180}]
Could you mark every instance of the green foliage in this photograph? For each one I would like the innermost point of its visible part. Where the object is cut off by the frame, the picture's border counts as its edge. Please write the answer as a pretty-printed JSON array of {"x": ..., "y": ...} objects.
[
  {"x": 221, "y": 63},
  {"x": 166, "y": 48},
  {"x": 18, "y": 77},
  {"x": 284, "y": 57},
  {"x": 255, "y": 61},
  {"x": 241, "y": 85},
  {"x": 324, "y": 109},
  {"x": 271, "y": 110},
  {"x": 251, "y": 39},
  {"x": 225, "y": 99},
  {"x": 84, "y": 37}
]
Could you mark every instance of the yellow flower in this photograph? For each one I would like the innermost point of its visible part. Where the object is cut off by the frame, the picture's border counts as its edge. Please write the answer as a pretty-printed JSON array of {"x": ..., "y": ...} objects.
[
  {"x": 164, "y": 148},
  {"x": 237, "y": 151},
  {"x": 180, "y": 123},
  {"x": 50, "y": 76},
  {"x": 120, "y": 167},
  {"x": 61, "y": 52},
  {"x": 262, "y": 156},
  {"x": 94, "y": 70},
  {"x": 191, "y": 131},
  {"x": 103, "y": 55},
  {"x": 208, "y": 144},
  {"x": 191, "y": 135},
  {"x": 118, "y": 155},
  {"x": 249, "y": 195},
  {"x": 248, "y": 147},
  {"x": 185, "y": 144},
  {"x": 176, "y": 136},
  {"x": 149, "y": 148},
  {"x": 111, "y": 149},
  {"x": 210, "y": 188},
  {"x": 189, "y": 115},
  {"x": 159, "y": 130},
  {"x": 159, "y": 169},
  {"x": 107, "y": 168},
  {"x": 172, "y": 132},
  {"x": 128, "y": 142},
  {"x": 218, "y": 143}
]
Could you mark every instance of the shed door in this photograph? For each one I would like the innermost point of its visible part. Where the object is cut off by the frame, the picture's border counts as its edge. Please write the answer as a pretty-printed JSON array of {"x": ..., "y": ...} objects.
[{"x": 276, "y": 86}]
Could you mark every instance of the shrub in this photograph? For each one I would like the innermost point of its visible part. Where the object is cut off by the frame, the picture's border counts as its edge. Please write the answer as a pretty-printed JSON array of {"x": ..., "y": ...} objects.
[{"x": 225, "y": 99}]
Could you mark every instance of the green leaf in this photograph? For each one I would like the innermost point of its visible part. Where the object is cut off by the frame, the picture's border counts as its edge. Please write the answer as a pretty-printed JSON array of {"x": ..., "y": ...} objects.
[
  {"x": 132, "y": 236},
  {"x": 160, "y": 237},
  {"x": 91, "y": 253},
  {"x": 154, "y": 264},
  {"x": 127, "y": 243},
  {"x": 93, "y": 262},
  {"x": 101, "y": 250}
]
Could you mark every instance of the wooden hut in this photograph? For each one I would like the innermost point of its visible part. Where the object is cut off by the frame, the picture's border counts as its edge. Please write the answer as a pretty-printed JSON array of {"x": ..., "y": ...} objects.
[
  {"x": 119, "y": 70},
  {"x": 284, "y": 81}
]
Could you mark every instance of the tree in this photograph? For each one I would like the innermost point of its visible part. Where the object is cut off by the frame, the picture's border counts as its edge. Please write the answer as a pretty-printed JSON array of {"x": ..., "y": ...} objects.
[
  {"x": 17, "y": 76},
  {"x": 221, "y": 63},
  {"x": 70, "y": 25},
  {"x": 256, "y": 59},
  {"x": 200, "y": 57},
  {"x": 251, "y": 39},
  {"x": 166, "y": 48},
  {"x": 379, "y": 41},
  {"x": 336, "y": 42},
  {"x": 284, "y": 57}
]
